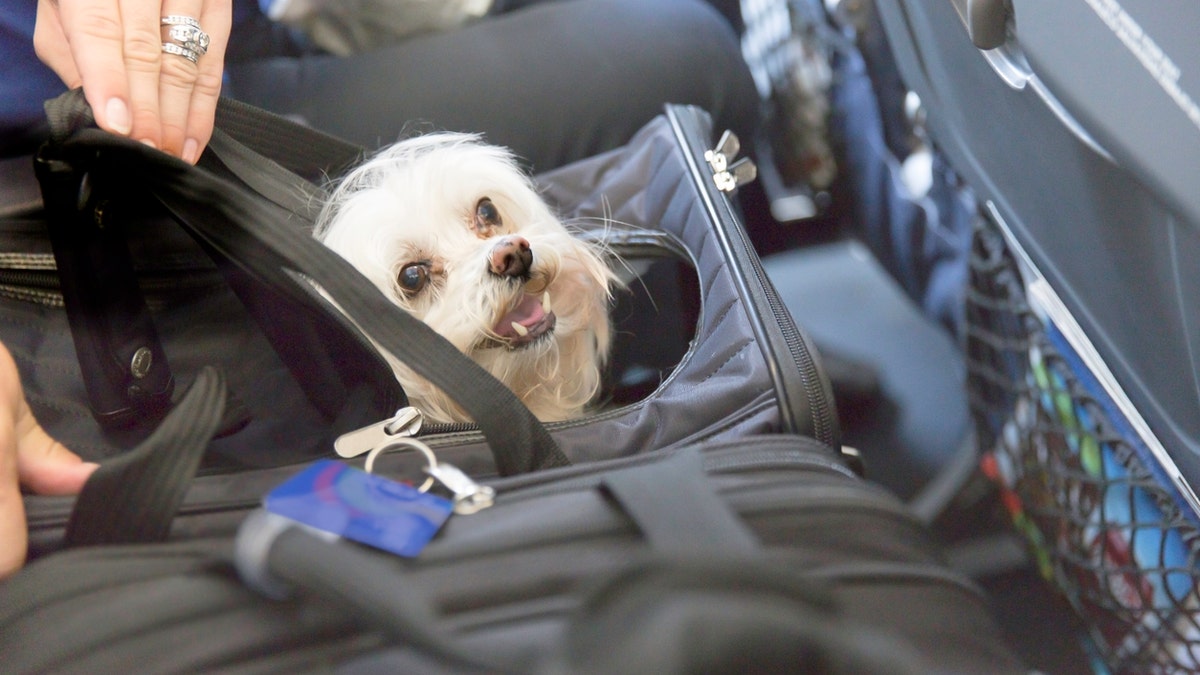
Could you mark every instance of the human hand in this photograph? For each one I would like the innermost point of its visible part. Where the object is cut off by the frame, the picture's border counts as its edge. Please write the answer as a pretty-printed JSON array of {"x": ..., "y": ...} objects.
[
  {"x": 29, "y": 457},
  {"x": 114, "y": 50}
]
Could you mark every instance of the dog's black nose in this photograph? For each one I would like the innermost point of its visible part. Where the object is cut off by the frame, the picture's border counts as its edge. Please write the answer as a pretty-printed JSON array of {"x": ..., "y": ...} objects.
[{"x": 511, "y": 257}]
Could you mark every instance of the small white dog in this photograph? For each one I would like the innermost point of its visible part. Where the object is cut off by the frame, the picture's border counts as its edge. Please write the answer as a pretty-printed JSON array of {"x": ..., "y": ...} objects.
[{"x": 450, "y": 229}]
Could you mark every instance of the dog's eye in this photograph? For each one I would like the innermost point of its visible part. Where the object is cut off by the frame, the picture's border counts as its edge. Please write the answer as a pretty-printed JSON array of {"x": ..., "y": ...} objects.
[
  {"x": 413, "y": 277},
  {"x": 487, "y": 216}
]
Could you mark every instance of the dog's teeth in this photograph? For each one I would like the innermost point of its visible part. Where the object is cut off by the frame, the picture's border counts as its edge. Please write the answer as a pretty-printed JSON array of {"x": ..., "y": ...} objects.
[
  {"x": 546, "y": 302},
  {"x": 521, "y": 330}
]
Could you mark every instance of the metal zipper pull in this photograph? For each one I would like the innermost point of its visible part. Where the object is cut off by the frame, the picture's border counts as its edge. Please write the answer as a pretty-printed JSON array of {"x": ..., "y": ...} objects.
[
  {"x": 727, "y": 173},
  {"x": 405, "y": 423},
  {"x": 469, "y": 496}
]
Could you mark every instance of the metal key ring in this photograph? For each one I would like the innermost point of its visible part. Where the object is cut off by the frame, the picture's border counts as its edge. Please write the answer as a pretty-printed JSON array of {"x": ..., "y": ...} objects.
[{"x": 405, "y": 444}]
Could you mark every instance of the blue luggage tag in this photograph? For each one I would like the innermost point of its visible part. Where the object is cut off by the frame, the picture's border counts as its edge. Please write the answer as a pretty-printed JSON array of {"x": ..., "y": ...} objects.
[{"x": 366, "y": 508}]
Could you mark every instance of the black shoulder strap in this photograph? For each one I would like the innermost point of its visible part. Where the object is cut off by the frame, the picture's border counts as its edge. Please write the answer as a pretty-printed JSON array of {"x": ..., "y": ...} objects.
[
  {"x": 266, "y": 177},
  {"x": 278, "y": 158},
  {"x": 298, "y": 148}
]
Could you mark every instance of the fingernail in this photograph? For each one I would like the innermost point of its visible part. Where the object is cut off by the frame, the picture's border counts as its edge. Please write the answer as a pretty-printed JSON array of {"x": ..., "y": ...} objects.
[
  {"x": 85, "y": 470},
  {"x": 150, "y": 143},
  {"x": 190, "y": 149},
  {"x": 116, "y": 113}
]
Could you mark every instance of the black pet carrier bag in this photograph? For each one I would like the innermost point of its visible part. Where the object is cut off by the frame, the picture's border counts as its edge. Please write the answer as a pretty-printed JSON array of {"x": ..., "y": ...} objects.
[
  {"x": 705, "y": 350},
  {"x": 677, "y": 529}
]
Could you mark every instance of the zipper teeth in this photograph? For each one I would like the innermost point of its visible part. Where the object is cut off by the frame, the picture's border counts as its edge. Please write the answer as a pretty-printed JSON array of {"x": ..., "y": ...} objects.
[
  {"x": 29, "y": 277},
  {"x": 745, "y": 459},
  {"x": 801, "y": 358},
  {"x": 439, "y": 435},
  {"x": 818, "y": 403},
  {"x": 821, "y": 413}
]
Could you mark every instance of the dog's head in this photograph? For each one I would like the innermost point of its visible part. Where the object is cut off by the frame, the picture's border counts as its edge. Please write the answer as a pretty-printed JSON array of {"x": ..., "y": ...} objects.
[{"x": 450, "y": 229}]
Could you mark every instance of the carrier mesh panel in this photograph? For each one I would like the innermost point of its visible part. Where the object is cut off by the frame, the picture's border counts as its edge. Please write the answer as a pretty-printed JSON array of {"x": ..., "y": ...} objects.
[{"x": 1100, "y": 524}]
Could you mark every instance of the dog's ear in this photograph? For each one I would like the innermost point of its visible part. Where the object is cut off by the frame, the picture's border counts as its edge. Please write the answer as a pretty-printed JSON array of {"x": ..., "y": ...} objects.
[{"x": 486, "y": 220}]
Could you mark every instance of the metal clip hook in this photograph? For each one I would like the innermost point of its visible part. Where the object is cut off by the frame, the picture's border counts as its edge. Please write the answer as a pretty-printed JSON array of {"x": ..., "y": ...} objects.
[{"x": 469, "y": 496}]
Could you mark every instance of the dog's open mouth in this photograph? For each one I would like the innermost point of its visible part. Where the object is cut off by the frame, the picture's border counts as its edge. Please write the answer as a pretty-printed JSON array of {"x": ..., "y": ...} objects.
[{"x": 526, "y": 323}]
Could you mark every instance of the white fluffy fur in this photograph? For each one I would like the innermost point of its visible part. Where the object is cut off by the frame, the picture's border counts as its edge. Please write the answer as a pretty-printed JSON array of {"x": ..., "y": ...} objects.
[{"x": 416, "y": 201}]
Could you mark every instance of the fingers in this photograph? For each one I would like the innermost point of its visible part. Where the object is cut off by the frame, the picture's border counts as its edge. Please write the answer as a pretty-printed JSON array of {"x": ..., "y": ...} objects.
[
  {"x": 47, "y": 467},
  {"x": 28, "y": 456},
  {"x": 41, "y": 463},
  {"x": 142, "y": 46},
  {"x": 177, "y": 81},
  {"x": 216, "y": 18},
  {"x": 94, "y": 37},
  {"x": 13, "y": 532},
  {"x": 114, "y": 50},
  {"x": 189, "y": 89},
  {"x": 50, "y": 44}
]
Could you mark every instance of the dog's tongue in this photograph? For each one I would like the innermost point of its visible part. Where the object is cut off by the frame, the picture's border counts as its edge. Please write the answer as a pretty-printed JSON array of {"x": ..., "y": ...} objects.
[{"x": 528, "y": 313}]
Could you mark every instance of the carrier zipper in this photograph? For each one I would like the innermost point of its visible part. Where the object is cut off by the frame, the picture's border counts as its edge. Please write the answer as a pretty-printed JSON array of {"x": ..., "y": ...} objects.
[
  {"x": 442, "y": 434},
  {"x": 24, "y": 278},
  {"x": 446, "y": 434},
  {"x": 28, "y": 277},
  {"x": 687, "y": 132},
  {"x": 723, "y": 458}
]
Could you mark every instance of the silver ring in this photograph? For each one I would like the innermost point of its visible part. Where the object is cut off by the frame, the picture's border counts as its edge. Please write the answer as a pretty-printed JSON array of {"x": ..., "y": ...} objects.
[
  {"x": 186, "y": 32},
  {"x": 405, "y": 443},
  {"x": 180, "y": 20},
  {"x": 175, "y": 49}
]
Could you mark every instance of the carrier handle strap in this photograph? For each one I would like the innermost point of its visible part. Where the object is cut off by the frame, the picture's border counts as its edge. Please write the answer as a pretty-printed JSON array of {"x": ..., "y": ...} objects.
[
  {"x": 676, "y": 506},
  {"x": 134, "y": 497},
  {"x": 124, "y": 366}
]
